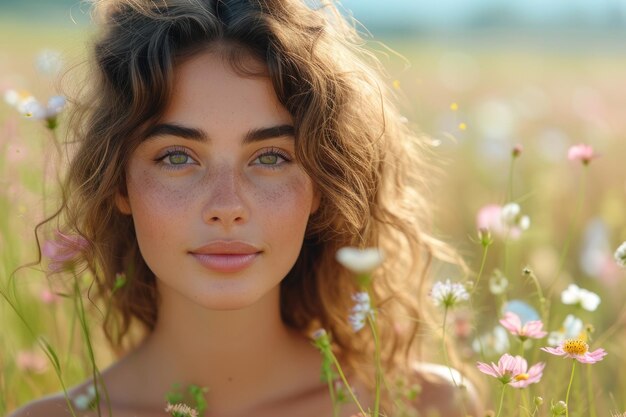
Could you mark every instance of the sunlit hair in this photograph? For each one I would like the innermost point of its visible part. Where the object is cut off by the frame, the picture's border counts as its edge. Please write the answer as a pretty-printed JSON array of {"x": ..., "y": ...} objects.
[{"x": 370, "y": 169}]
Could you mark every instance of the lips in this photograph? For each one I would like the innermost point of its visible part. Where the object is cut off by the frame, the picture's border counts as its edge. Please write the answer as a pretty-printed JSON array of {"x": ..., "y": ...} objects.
[{"x": 226, "y": 256}]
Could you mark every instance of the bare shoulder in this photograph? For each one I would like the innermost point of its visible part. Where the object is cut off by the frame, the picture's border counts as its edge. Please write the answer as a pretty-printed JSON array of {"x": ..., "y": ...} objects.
[
  {"x": 445, "y": 392},
  {"x": 51, "y": 406},
  {"x": 56, "y": 405}
]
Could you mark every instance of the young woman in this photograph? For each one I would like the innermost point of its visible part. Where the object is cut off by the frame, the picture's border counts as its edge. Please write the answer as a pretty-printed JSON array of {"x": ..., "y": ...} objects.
[{"x": 225, "y": 151}]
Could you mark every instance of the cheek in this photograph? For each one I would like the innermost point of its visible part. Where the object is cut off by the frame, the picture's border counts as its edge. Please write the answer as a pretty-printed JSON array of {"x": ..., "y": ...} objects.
[
  {"x": 156, "y": 207},
  {"x": 286, "y": 208}
]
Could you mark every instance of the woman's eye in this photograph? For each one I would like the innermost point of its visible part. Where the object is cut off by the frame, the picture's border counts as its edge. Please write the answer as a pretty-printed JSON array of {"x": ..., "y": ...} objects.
[
  {"x": 174, "y": 158},
  {"x": 272, "y": 158}
]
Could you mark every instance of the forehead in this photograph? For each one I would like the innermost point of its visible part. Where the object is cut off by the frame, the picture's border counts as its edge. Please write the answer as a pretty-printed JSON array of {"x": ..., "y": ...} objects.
[{"x": 208, "y": 87}]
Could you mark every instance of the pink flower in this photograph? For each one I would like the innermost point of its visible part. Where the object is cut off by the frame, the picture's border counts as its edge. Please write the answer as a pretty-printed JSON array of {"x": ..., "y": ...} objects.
[
  {"x": 583, "y": 153},
  {"x": 531, "y": 329},
  {"x": 513, "y": 371},
  {"x": 576, "y": 349},
  {"x": 48, "y": 297},
  {"x": 63, "y": 250},
  {"x": 31, "y": 361}
]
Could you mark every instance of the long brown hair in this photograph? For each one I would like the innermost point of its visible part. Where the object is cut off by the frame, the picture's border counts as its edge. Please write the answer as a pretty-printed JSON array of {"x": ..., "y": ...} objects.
[{"x": 370, "y": 168}]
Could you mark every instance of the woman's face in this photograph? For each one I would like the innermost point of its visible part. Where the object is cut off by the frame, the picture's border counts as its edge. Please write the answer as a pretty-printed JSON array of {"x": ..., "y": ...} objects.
[{"x": 219, "y": 203}]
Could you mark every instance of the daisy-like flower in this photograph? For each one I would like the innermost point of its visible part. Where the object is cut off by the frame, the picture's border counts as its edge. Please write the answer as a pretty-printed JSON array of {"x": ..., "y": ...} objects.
[
  {"x": 573, "y": 294},
  {"x": 513, "y": 218},
  {"x": 620, "y": 255},
  {"x": 498, "y": 283},
  {"x": 583, "y": 153},
  {"x": 513, "y": 370},
  {"x": 572, "y": 329},
  {"x": 529, "y": 330},
  {"x": 361, "y": 310},
  {"x": 63, "y": 250},
  {"x": 181, "y": 410},
  {"x": 359, "y": 261},
  {"x": 448, "y": 293},
  {"x": 30, "y": 107},
  {"x": 576, "y": 349}
]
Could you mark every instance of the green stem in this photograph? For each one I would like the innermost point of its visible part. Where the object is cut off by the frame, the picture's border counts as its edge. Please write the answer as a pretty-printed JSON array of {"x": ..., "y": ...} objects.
[
  {"x": 590, "y": 397},
  {"x": 570, "y": 231},
  {"x": 571, "y": 379},
  {"x": 331, "y": 390},
  {"x": 379, "y": 369},
  {"x": 345, "y": 381},
  {"x": 444, "y": 347},
  {"x": 482, "y": 267},
  {"x": 501, "y": 400}
]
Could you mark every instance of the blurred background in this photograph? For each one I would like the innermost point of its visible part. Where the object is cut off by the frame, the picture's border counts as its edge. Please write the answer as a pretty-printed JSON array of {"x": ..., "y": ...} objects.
[{"x": 477, "y": 77}]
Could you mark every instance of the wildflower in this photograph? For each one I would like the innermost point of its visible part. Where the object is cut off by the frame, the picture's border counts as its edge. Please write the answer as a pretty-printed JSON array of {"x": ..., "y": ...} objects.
[
  {"x": 31, "y": 361},
  {"x": 572, "y": 328},
  {"x": 49, "y": 62},
  {"x": 517, "y": 150},
  {"x": 448, "y": 293},
  {"x": 512, "y": 217},
  {"x": 498, "y": 283},
  {"x": 504, "y": 221},
  {"x": 513, "y": 371},
  {"x": 361, "y": 310},
  {"x": 85, "y": 401},
  {"x": 576, "y": 349},
  {"x": 579, "y": 296},
  {"x": 359, "y": 261},
  {"x": 492, "y": 343},
  {"x": 559, "y": 409},
  {"x": 180, "y": 410},
  {"x": 30, "y": 107},
  {"x": 620, "y": 255},
  {"x": 524, "y": 310},
  {"x": 63, "y": 250},
  {"x": 484, "y": 237},
  {"x": 583, "y": 153},
  {"x": 48, "y": 297},
  {"x": 530, "y": 329}
]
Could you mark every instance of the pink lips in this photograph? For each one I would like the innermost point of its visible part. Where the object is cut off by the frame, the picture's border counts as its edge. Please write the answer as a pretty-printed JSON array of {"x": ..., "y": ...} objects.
[{"x": 226, "y": 256}]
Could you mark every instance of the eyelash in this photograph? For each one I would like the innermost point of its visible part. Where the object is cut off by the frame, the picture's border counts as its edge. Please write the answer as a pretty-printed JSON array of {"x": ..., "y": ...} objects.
[{"x": 182, "y": 151}]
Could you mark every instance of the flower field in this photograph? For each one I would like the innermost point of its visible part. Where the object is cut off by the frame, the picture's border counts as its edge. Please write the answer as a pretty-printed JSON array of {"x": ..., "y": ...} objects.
[{"x": 530, "y": 144}]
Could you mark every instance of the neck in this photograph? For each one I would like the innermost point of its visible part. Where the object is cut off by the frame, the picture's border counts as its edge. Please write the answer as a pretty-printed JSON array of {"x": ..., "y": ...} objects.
[{"x": 232, "y": 352}]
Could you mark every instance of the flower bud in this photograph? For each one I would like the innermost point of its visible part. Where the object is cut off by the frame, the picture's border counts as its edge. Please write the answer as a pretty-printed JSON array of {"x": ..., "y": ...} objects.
[
  {"x": 559, "y": 409},
  {"x": 538, "y": 401},
  {"x": 517, "y": 150}
]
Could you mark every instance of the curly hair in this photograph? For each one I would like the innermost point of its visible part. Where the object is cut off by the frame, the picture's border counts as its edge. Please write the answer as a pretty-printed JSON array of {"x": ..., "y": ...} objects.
[{"x": 371, "y": 170}]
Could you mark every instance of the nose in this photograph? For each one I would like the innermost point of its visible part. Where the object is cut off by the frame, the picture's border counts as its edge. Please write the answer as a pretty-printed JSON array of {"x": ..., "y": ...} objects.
[{"x": 224, "y": 205}]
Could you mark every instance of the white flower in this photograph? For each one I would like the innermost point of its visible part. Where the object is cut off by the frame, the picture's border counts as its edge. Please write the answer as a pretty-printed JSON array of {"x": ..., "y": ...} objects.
[
  {"x": 361, "y": 310},
  {"x": 49, "y": 62},
  {"x": 29, "y": 106},
  {"x": 359, "y": 261},
  {"x": 493, "y": 343},
  {"x": 620, "y": 255},
  {"x": 512, "y": 217},
  {"x": 498, "y": 283},
  {"x": 571, "y": 329},
  {"x": 575, "y": 295},
  {"x": 448, "y": 293}
]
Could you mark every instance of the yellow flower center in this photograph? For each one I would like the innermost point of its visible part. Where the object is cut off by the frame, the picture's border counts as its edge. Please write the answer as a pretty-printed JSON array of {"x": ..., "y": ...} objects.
[
  {"x": 575, "y": 346},
  {"x": 522, "y": 377}
]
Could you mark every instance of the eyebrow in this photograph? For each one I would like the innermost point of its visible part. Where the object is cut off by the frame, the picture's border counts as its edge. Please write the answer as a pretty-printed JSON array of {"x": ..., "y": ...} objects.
[{"x": 191, "y": 133}]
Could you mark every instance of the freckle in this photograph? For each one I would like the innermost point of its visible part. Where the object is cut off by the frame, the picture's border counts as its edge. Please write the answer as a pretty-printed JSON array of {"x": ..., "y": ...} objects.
[{"x": 230, "y": 379}]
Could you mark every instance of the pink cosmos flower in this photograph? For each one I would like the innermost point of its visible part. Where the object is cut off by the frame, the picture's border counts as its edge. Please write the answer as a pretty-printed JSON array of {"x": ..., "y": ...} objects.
[
  {"x": 513, "y": 370},
  {"x": 583, "y": 153},
  {"x": 531, "y": 329},
  {"x": 576, "y": 349},
  {"x": 63, "y": 250}
]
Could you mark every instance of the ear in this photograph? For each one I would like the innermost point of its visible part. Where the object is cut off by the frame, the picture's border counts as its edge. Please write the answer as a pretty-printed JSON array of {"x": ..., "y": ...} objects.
[{"x": 122, "y": 203}]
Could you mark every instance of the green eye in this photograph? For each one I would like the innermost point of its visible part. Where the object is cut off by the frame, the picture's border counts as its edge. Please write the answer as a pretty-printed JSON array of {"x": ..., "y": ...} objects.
[
  {"x": 268, "y": 159},
  {"x": 178, "y": 158}
]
